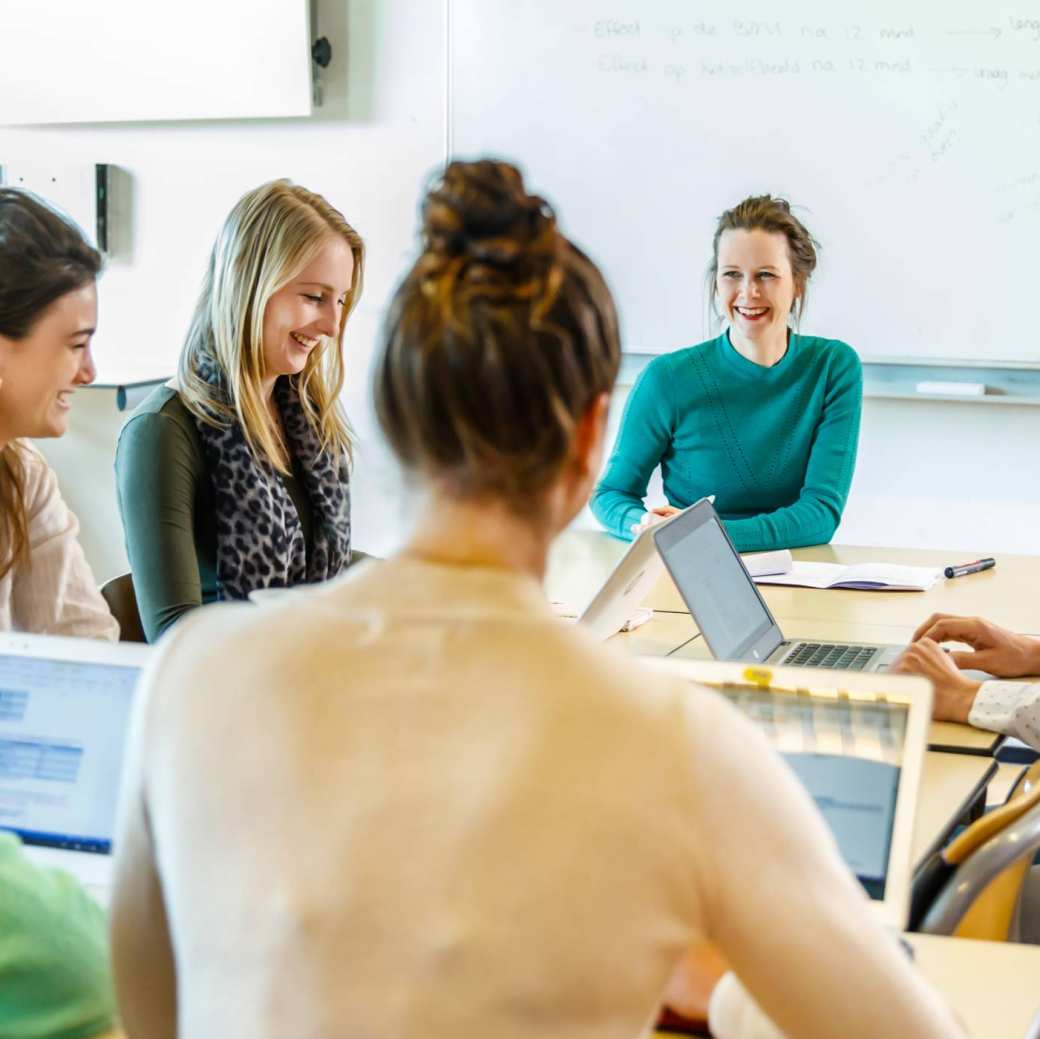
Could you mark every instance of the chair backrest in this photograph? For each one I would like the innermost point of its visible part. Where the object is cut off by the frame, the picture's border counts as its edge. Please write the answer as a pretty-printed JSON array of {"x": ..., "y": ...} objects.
[
  {"x": 122, "y": 601},
  {"x": 992, "y": 858}
]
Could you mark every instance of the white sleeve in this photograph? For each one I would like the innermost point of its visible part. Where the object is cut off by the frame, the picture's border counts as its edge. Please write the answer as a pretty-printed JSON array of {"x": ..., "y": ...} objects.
[
  {"x": 1009, "y": 707},
  {"x": 733, "y": 1014},
  {"x": 54, "y": 591}
]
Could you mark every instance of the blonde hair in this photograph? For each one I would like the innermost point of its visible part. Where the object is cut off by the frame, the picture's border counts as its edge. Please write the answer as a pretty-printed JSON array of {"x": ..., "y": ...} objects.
[{"x": 272, "y": 233}]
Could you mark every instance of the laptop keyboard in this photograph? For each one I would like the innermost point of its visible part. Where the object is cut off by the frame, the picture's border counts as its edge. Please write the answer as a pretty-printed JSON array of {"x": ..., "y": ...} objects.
[{"x": 830, "y": 655}]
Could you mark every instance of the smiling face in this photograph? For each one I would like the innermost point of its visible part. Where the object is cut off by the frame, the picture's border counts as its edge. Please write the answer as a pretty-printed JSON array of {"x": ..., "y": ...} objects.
[
  {"x": 41, "y": 371},
  {"x": 307, "y": 309},
  {"x": 754, "y": 285}
]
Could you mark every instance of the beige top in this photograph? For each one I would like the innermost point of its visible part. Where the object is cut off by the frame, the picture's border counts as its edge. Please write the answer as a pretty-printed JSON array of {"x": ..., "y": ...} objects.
[
  {"x": 415, "y": 803},
  {"x": 54, "y": 592}
]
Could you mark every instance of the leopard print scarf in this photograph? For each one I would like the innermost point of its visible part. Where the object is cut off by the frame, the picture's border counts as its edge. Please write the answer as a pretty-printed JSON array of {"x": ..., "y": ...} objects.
[{"x": 260, "y": 542}]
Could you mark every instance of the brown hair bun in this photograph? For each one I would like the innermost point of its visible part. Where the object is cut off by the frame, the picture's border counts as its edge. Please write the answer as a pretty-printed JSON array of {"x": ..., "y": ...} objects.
[{"x": 496, "y": 342}]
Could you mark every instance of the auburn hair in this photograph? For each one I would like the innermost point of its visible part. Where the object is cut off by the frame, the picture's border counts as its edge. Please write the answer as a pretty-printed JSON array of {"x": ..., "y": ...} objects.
[
  {"x": 768, "y": 213},
  {"x": 496, "y": 342}
]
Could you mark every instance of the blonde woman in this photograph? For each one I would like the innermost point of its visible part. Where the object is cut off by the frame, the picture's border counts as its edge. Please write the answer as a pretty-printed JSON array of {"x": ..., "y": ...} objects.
[{"x": 235, "y": 478}]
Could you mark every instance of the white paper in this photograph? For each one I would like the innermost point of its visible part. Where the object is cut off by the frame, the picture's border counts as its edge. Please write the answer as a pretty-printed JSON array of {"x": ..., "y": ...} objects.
[
  {"x": 761, "y": 563},
  {"x": 881, "y": 577}
]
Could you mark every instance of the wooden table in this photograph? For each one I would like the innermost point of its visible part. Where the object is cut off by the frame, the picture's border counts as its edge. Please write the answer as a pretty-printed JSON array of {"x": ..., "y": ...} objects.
[
  {"x": 953, "y": 786},
  {"x": 992, "y": 986},
  {"x": 1009, "y": 594}
]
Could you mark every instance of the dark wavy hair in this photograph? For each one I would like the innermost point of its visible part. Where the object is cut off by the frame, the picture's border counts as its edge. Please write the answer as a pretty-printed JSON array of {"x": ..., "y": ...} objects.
[
  {"x": 43, "y": 256},
  {"x": 497, "y": 341}
]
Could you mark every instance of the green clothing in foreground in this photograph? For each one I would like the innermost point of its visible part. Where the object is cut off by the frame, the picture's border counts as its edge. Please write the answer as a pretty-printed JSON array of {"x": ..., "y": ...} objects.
[
  {"x": 169, "y": 516},
  {"x": 54, "y": 975},
  {"x": 776, "y": 446}
]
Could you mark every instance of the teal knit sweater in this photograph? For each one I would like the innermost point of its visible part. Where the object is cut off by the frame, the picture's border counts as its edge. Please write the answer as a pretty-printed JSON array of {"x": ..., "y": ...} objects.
[{"x": 776, "y": 446}]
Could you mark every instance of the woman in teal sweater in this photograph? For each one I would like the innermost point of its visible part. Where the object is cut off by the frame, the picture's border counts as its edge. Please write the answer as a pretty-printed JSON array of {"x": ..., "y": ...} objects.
[{"x": 763, "y": 418}]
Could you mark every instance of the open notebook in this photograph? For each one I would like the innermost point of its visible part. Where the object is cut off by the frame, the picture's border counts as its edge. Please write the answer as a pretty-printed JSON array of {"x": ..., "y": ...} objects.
[{"x": 880, "y": 577}]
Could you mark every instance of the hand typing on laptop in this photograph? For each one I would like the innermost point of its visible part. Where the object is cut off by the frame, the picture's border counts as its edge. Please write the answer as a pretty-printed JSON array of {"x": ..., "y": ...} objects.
[
  {"x": 954, "y": 692},
  {"x": 993, "y": 649}
]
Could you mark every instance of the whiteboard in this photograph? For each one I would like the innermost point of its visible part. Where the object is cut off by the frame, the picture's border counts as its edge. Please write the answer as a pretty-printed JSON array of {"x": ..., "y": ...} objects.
[
  {"x": 71, "y": 61},
  {"x": 907, "y": 135}
]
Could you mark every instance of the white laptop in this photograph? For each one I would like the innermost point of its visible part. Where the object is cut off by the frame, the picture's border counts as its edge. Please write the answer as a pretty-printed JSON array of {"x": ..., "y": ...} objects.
[
  {"x": 732, "y": 616},
  {"x": 64, "y": 709},
  {"x": 857, "y": 742},
  {"x": 626, "y": 589}
]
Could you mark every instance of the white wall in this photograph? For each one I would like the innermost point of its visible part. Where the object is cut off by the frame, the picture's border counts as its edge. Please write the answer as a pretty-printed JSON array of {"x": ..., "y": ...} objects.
[
  {"x": 373, "y": 143},
  {"x": 961, "y": 476}
]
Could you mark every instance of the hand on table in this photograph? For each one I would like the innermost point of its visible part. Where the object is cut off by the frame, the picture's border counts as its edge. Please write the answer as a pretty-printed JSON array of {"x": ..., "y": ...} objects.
[
  {"x": 1000, "y": 652},
  {"x": 653, "y": 517},
  {"x": 954, "y": 694}
]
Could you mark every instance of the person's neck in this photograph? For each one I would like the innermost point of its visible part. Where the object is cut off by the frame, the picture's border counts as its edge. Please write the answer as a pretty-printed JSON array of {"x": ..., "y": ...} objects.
[
  {"x": 481, "y": 533},
  {"x": 765, "y": 351},
  {"x": 267, "y": 389}
]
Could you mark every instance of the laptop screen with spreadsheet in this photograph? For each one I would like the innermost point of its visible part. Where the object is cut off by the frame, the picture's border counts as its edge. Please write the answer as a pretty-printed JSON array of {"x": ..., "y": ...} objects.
[
  {"x": 848, "y": 755},
  {"x": 855, "y": 740},
  {"x": 63, "y": 728}
]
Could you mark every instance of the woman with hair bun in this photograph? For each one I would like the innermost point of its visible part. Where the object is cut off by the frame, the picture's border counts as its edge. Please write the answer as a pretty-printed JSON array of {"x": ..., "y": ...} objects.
[
  {"x": 235, "y": 477},
  {"x": 527, "y": 829},
  {"x": 763, "y": 417}
]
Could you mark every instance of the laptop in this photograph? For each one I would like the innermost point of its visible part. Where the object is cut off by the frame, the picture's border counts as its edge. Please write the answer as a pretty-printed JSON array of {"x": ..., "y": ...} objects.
[
  {"x": 725, "y": 602},
  {"x": 64, "y": 710},
  {"x": 626, "y": 589},
  {"x": 857, "y": 743}
]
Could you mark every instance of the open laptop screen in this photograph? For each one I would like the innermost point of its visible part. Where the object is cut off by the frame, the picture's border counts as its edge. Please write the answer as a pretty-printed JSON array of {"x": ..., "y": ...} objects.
[
  {"x": 848, "y": 755},
  {"x": 62, "y": 733},
  {"x": 714, "y": 584}
]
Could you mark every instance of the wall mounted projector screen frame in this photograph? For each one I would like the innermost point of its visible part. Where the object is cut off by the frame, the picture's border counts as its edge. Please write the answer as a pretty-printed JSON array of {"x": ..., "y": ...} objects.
[
  {"x": 66, "y": 61},
  {"x": 907, "y": 135}
]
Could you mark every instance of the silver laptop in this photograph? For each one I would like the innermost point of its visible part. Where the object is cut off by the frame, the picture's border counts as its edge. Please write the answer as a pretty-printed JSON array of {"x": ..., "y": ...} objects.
[
  {"x": 64, "y": 709},
  {"x": 731, "y": 614},
  {"x": 626, "y": 589},
  {"x": 857, "y": 743}
]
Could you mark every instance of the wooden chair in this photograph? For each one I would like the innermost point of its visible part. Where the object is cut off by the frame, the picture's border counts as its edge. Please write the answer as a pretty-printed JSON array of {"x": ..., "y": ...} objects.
[
  {"x": 122, "y": 601},
  {"x": 988, "y": 866}
]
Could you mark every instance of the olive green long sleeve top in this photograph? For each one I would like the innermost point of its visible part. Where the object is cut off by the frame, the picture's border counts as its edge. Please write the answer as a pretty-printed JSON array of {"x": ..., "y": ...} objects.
[{"x": 169, "y": 515}]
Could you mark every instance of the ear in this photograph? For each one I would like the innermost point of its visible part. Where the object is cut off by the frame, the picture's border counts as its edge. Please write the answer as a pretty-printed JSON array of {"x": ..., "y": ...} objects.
[{"x": 589, "y": 435}]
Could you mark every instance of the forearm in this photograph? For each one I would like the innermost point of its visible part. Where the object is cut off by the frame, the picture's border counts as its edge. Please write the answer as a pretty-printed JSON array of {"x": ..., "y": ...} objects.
[
  {"x": 808, "y": 522},
  {"x": 617, "y": 510},
  {"x": 1012, "y": 708}
]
